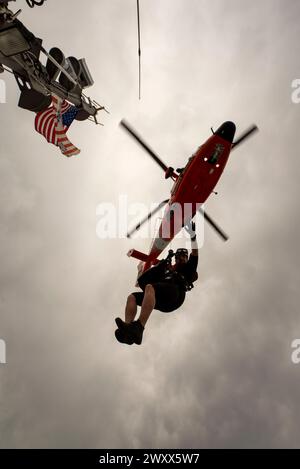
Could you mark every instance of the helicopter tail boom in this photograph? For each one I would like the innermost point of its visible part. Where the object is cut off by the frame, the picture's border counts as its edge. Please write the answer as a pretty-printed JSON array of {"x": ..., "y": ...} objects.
[
  {"x": 138, "y": 255},
  {"x": 141, "y": 256}
]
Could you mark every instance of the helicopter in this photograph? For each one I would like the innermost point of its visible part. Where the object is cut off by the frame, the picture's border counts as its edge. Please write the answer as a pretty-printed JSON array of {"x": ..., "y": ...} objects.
[
  {"x": 192, "y": 186},
  {"x": 62, "y": 77}
]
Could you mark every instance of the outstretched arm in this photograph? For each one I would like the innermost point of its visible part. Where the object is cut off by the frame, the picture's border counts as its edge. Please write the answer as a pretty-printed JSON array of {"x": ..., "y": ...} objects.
[
  {"x": 194, "y": 246},
  {"x": 191, "y": 229}
]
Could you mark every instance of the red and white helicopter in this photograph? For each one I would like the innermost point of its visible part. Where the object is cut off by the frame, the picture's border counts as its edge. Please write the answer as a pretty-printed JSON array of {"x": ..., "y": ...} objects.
[{"x": 193, "y": 184}]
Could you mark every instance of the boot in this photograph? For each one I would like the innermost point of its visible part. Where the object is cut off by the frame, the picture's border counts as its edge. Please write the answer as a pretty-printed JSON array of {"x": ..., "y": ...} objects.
[{"x": 136, "y": 330}]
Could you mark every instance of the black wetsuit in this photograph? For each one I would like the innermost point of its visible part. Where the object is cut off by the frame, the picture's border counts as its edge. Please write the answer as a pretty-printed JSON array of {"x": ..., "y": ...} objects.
[{"x": 170, "y": 285}]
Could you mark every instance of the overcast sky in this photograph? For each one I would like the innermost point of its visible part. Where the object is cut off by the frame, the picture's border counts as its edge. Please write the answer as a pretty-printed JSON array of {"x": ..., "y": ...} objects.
[{"x": 218, "y": 372}]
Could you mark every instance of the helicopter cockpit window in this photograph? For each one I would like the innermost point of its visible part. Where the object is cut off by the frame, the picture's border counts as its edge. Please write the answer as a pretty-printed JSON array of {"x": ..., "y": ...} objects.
[{"x": 218, "y": 150}]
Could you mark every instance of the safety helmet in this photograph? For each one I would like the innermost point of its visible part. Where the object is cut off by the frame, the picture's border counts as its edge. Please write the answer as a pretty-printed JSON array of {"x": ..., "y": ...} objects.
[{"x": 180, "y": 252}]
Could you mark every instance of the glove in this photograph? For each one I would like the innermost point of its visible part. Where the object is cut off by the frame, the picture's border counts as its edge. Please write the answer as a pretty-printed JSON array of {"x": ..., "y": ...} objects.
[
  {"x": 167, "y": 261},
  {"x": 191, "y": 229},
  {"x": 169, "y": 256}
]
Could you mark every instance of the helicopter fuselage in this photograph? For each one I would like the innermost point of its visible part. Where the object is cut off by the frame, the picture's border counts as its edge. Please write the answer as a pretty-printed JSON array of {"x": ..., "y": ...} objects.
[{"x": 192, "y": 187}]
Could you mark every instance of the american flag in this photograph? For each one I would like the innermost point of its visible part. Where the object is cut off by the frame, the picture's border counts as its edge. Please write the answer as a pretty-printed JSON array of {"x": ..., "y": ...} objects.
[{"x": 54, "y": 122}]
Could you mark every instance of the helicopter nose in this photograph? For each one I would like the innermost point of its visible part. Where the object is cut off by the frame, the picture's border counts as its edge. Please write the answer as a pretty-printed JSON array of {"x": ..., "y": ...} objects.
[{"x": 227, "y": 131}]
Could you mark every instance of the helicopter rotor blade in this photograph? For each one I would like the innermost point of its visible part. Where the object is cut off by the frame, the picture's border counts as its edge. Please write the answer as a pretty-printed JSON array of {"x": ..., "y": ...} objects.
[
  {"x": 146, "y": 147},
  {"x": 147, "y": 218},
  {"x": 245, "y": 135},
  {"x": 213, "y": 224}
]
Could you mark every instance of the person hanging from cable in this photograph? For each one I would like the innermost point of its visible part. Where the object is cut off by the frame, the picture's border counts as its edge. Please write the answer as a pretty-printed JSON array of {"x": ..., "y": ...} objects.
[{"x": 164, "y": 288}]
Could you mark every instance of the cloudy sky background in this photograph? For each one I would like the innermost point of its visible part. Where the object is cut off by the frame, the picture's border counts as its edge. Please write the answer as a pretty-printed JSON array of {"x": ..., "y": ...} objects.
[{"x": 218, "y": 372}]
